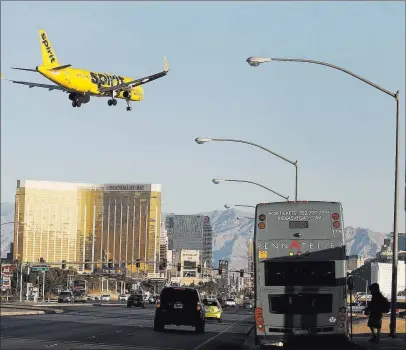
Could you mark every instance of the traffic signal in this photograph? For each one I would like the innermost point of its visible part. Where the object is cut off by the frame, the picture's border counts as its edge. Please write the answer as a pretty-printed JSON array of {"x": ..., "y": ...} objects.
[
  {"x": 110, "y": 264},
  {"x": 137, "y": 263},
  {"x": 199, "y": 268},
  {"x": 242, "y": 273},
  {"x": 63, "y": 264},
  {"x": 179, "y": 267},
  {"x": 220, "y": 270}
]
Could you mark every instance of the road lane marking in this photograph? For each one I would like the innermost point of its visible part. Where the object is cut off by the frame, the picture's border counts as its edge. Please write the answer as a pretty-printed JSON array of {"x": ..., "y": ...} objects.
[{"x": 222, "y": 332}]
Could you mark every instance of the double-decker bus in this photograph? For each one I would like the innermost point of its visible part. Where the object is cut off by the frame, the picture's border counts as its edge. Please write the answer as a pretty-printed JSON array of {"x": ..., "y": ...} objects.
[{"x": 300, "y": 271}]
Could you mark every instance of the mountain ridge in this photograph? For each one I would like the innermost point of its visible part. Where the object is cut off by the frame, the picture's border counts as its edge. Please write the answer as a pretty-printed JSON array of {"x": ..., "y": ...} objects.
[{"x": 231, "y": 236}]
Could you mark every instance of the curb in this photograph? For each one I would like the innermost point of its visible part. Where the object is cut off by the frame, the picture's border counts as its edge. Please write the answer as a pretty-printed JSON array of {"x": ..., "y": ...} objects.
[
  {"x": 32, "y": 310},
  {"x": 21, "y": 313},
  {"x": 109, "y": 305}
]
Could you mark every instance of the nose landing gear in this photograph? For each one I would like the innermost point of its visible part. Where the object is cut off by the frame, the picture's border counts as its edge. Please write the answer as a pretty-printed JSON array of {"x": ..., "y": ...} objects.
[
  {"x": 128, "y": 106},
  {"x": 112, "y": 102},
  {"x": 76, "y": 103}
]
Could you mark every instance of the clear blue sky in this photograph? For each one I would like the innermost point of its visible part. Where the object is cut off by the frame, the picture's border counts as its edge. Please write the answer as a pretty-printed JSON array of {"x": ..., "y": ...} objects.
[{"x": 340, "y": 130}]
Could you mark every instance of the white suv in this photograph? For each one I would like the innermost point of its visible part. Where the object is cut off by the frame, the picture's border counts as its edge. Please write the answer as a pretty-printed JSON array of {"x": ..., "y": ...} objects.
[{"x": 230, "y": 302}]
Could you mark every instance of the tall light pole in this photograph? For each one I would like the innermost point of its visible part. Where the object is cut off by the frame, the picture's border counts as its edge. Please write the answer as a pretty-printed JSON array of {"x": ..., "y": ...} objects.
[
  {"x": 217, "y": 181},
  {"x": 256, "y": 61},
  {"x": 228, "y": 206},
  {"x": 201, "y": 140}
]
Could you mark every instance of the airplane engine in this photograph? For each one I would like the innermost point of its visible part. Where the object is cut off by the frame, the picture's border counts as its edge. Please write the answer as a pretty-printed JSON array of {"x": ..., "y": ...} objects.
[
  {"x": 127, "y": 94},
  {"x": 84, "y": 98}
]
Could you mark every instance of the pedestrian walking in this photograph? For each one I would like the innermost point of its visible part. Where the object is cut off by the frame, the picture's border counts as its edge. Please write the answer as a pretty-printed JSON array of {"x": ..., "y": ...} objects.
[{"x": 376, "y": 308}]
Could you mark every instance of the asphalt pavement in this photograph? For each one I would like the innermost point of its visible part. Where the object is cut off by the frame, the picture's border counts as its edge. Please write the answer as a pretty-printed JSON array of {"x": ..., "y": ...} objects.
[{"x": 119, "y": 327}]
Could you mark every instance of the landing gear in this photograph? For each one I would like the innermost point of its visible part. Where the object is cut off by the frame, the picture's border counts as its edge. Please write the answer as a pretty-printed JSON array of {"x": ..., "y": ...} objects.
[
  {"x": 112, "y": 102},
  {"x": 128, "y": 106},
  {"x": 76, "y": 103}
]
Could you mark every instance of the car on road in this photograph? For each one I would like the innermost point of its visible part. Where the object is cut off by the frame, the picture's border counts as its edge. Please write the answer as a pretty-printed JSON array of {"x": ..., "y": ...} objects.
[
  {"x": 246, "y": 305},
  {"x": 91, "y": 297},
  {"x": 180, "y": 306},
  {"x": 105, "y": 297},
  {"x": 213, "y": 309},
  {"x": 80, "y": 297},
  {"x": 66, "y": 297},
  {"x": 230, "y": 302},
  {"x": 136, "y": 300},
  {"x": 123, "y": 296}
]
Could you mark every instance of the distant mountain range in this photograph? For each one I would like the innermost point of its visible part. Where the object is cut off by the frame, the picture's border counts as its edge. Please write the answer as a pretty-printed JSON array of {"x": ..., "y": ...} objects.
[{"x": 231, "y": 236}]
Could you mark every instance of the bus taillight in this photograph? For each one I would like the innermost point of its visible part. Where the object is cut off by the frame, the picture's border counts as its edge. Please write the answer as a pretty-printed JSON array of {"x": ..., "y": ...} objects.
[
  {"x": 336, "y": 224},
  {"x": 259, "y": 319},
  {"x": 262, "y": 217},
  {"x": 335, "y": 216},
  {"x": 261, "y": 225}
]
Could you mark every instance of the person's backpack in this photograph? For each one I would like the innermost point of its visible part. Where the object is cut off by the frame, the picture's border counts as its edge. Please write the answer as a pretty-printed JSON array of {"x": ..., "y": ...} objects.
[{"x": 385, "y": 305}]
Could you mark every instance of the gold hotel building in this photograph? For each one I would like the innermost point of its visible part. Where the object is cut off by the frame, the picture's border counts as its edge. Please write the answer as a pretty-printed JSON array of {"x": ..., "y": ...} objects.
[{"x": 89, "y": 227}]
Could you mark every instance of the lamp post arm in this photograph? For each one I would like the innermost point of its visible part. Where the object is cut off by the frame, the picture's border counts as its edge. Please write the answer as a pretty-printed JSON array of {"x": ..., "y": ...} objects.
[
  {"x": 321, "y": 63},
  {"x": 255, "y": 183},
  {"x": 259, "y": 146}
]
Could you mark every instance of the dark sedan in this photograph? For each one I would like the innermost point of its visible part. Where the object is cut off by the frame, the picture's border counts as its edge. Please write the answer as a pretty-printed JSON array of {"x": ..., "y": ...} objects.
[{"x": 136, "y": 300}]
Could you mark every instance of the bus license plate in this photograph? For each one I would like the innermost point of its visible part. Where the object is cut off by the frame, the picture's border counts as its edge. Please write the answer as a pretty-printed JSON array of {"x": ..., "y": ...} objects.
[{"x": 298, "y": 331}]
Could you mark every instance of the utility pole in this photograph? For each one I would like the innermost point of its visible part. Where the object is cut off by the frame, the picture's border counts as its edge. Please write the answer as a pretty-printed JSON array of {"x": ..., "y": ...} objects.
[{"x": 43, "y": 286}]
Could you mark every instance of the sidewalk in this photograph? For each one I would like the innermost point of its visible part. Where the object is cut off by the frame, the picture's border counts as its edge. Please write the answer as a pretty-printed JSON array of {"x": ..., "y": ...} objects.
[{"x": 385, "y": 343}]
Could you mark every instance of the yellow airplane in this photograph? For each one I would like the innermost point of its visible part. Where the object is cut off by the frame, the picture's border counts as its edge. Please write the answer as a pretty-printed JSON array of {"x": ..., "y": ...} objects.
[{"x": 82, "y": 84}]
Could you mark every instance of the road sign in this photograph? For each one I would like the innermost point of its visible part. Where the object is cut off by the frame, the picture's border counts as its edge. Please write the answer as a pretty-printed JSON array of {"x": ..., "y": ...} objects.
[
  {"x": 39, "y": 268},
  {"x": 223, "y": 263}
]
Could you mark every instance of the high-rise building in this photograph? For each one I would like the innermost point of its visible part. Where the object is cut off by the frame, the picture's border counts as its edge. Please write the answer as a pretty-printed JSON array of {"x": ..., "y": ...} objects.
[
  {"x": 250, "y": 283},
  {"x": 76, "y": 223},
  {"x": 354, "y": 262},
  {"x": 191, "y": 232},
  {"x": 163, "y": 243}
]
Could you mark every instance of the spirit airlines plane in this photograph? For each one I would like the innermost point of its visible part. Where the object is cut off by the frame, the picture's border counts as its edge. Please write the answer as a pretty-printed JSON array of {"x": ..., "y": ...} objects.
[{"x": 82, "y": 84}]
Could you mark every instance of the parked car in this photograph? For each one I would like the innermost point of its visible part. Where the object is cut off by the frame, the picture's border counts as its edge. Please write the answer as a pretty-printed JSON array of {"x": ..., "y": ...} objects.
[
  {"x": 105, "y": 297},
  {"x": 66, "y": 297},
  {"x": 230, "y": 302},
  {"x": 180, "y": 306},
  {"x": 92, "y": 298},
  {"x": 402, "y": 314},
  {"x": 136, "y": 300}
]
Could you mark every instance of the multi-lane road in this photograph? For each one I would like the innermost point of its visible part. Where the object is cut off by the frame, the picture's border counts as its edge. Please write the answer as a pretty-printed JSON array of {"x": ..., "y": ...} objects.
[{"x": 117, "y": 327}]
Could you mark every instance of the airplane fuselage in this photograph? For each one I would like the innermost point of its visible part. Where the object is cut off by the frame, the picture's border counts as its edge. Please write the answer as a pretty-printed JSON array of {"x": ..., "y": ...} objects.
[{"x": 88, "y": 82}]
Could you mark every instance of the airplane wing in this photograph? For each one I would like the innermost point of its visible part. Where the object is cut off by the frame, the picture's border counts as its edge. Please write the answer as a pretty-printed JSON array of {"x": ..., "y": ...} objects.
[
  {"x": 45, "y": 86},
  {"x": 137, "y": 82}
]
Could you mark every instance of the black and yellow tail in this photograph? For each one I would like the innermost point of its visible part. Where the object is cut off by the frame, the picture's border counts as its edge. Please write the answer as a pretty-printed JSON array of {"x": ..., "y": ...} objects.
[{"x": 48, "y": 53}]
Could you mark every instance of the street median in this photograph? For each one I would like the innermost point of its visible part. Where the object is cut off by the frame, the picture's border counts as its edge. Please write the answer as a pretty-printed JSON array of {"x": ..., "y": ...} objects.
[{"x": 19, "y": 310}]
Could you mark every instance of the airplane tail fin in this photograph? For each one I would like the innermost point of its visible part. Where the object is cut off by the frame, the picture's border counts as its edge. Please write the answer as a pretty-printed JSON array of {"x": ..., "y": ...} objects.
[{"x": 47, "y": 51}]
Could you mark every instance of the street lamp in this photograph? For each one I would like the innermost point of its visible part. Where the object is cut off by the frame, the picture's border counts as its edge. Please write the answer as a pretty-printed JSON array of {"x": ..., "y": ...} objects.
[
  {"x": 201, "y": 140},
  {"x": 228, "y": 206},
  {"x": 7, "y": 223},
  {"x": 257, "y": 60},
  {"x": 217, "y": 181}
]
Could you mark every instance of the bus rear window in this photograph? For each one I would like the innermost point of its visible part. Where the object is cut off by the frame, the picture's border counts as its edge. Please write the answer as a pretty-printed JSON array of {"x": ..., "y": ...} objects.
[
  {"x": 300, "y": 304},
  {"x": 303, "y": 273}
]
